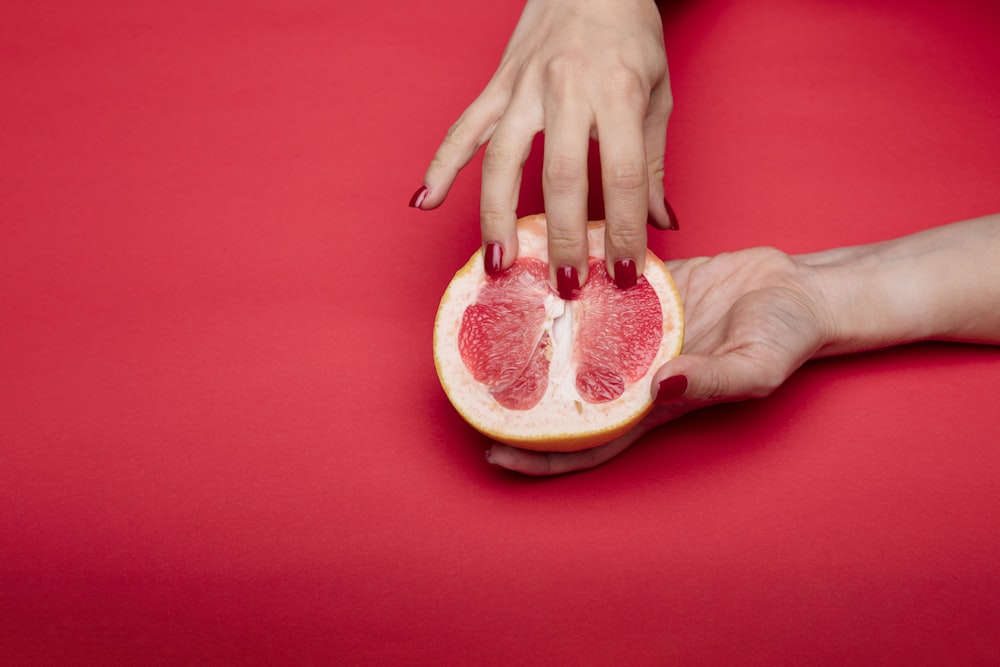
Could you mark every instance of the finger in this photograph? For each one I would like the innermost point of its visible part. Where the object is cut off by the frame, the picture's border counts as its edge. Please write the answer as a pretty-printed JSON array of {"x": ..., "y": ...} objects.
[
  {"x": 700, "y": 380},
  {"x": 539, "y": 464},
  {"x": 564, "y": 185},
  {"x": 503, "y": 161},
  {"x": 625, "y": 176},
  {"x": 655, "y": 134},
  {"x": 463, "y": 140}
]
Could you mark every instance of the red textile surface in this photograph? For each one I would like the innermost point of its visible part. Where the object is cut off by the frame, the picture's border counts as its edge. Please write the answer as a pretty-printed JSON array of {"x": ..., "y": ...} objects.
[{"x": 221, "y": 434}]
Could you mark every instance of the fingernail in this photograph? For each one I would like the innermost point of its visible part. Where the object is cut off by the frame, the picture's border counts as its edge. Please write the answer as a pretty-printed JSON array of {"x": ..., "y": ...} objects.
[
  {"x": 625, "y": 273},
  {"x": 418, "y": 197},
  {"x": 489, "y": 456},
  {"x": 671, "y": 389},
  {"x": 568, "y": 282},
  {"x": 493, "y": 258},
  {"x": 671, "y": 216}
]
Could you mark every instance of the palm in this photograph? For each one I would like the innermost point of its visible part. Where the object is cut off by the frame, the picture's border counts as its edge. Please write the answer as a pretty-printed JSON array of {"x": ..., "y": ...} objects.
[
  {"x": 749, "y": 324},
  {"x": 751, "y": 305}
]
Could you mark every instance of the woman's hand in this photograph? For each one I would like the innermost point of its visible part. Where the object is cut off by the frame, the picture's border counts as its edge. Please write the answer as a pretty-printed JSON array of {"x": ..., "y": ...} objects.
[
  {"x": 751, "y": 319},
  {"x": 575, "y": 69}
]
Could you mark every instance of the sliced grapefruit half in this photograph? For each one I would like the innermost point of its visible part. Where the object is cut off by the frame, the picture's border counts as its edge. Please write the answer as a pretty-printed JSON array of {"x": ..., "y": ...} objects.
[{"x": 527, "y": 368}]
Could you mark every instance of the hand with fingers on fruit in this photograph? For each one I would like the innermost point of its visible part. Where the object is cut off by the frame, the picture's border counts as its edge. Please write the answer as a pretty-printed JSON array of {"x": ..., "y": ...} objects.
[
  {"x": 576, "y": 70},
  {"x": 755, "y": 316}
]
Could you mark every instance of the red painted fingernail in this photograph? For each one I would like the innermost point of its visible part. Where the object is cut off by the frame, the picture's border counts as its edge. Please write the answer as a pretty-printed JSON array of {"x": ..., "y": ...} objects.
[
  {"x": 625, "y": 273},
  {"x": 671, "y": 389},
  {"x": 418, "y": 197},
  {"x": 568, "y": 282},
  {"x": 671, "y": 216},
  {"x": 493, "y": 258}
]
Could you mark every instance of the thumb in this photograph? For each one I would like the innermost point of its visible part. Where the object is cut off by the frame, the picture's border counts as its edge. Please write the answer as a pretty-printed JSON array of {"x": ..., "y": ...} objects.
[{"x": 708, "y": 379}]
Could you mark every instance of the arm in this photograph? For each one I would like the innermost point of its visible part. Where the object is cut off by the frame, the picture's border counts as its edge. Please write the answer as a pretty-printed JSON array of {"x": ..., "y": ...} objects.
[
  {"x": 940, "y": 284},
  {"x": 753, "y": 317}
]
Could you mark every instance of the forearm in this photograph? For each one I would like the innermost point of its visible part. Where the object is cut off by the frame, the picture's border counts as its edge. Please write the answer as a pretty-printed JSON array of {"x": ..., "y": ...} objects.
[{"x": 939, "y": 284}]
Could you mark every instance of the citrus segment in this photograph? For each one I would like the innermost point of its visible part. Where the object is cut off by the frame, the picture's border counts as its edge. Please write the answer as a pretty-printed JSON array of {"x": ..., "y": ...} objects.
[
  {"x": 529, "y": 386},
  {"x": 502, "y": 340},
  {"x": 619, "y": 334}
]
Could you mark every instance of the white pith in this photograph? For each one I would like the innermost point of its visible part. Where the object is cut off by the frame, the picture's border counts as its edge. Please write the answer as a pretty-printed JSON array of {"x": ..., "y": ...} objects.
[{"x": 562, "y": 414}]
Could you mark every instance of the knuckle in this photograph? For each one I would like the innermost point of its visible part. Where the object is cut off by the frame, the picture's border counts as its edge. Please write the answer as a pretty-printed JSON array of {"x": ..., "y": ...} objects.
[
  {"x": 626, "y": 85},
  {"x": 626, "y": 176},
  {"x": 661, "y": 103},
  {"x": 563, "y": 175},
  {"x": 627, "y": 237},
  {"x": 566, "y": 67},
  {"x": 567, "y": 241},
  {"x": 457, "y": 134},
  {"x": 499, "y": 155},
  {"x": 447, "y": 153},
  {"x": 716, "y": 387},
  {"x": 656, "y": 166},
  {"x": 492, "y": 218},
  {"x": 442, "y": 161}
]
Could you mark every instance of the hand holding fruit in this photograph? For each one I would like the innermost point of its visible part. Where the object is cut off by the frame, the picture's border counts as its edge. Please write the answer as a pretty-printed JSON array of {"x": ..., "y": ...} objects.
[
  {"x": 575, "y": 69},
  {"x": 753, "y": 317}
]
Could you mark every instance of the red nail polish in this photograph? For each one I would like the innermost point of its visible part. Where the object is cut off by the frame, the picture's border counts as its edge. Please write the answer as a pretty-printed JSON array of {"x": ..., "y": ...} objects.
[
  {"x": 671, "y": 389},
  {"x": 418, "y": 197},
  {"x": 493, "y": 258},
  {"x": 568, "y": 282},
  {"x": 671, "y": 216},
  {"x": 625, "y": 273}
]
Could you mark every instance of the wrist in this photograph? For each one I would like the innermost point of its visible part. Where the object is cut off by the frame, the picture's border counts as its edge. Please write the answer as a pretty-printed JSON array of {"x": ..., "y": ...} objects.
[{"x": 861, "y": 304}]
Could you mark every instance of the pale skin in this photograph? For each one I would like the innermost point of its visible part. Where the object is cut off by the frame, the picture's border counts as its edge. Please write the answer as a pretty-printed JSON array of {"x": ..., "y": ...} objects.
[
  {"x": 596, "y": 69},
  {"x": 753, "y": 317},
  {"x": 575, "y": 70}
]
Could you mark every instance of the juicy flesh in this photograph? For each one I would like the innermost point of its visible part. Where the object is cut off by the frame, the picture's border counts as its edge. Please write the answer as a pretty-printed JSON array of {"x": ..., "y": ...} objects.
[{"x": 508, "y": 340}]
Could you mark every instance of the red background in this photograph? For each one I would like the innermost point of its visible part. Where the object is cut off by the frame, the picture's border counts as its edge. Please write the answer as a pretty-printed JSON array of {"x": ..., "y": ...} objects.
[{"x": 221, "y": 434}]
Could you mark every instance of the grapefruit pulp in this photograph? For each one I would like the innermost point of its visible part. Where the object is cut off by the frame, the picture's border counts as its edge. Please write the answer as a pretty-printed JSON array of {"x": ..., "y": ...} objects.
[{"x": 527, "y": 368}]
